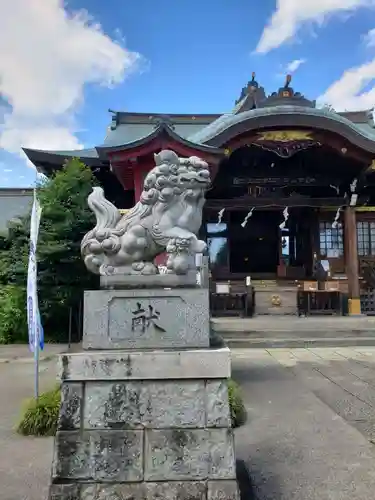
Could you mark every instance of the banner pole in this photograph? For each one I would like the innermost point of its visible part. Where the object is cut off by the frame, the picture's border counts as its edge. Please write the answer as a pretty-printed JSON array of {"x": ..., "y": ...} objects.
[
  {"x": 36, "y": 334},
  {"x": 36, "y": 358}
]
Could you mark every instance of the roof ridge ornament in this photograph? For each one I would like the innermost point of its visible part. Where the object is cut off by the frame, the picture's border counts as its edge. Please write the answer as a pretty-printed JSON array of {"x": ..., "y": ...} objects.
[
  {"x": 286, "y": 96},
  {"x": 288, "y": 80},
  {"x": 250, "y": 95},
  {"x": 163, "y": 121},
  {"x": 114, "y": 120}
]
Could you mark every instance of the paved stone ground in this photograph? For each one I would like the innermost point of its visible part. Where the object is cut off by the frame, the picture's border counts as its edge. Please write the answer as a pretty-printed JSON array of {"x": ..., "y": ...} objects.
[
  {"x": 309, "y": 433},
  {"x": 25, "y": 463},
  {"x": 311, "y": 420}
]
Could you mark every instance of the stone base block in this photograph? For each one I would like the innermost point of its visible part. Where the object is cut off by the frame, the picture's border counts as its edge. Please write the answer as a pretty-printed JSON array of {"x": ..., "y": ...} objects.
[
  {"x": 145, "y": 365},
  {"x": 123, "y": 281},
  {"x": 183, "y": 490},
  {"x": 146, "y": 319},
  {"x": 126, "y": 431}
]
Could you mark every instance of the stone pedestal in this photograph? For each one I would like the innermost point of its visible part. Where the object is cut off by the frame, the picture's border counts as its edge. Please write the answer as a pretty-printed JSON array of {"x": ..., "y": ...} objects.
[
  {"x": 153, "y": 318},
  {"x": 144, "y": 412},
  {"x": 144, "y": 425}
]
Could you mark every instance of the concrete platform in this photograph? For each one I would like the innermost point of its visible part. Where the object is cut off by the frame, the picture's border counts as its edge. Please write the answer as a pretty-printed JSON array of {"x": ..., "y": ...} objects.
[{"x": 292, "y": 331}]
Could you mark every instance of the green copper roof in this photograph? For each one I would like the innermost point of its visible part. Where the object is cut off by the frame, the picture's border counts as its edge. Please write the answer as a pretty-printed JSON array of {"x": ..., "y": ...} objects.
[
  {"x": 126, "y": 133},
  {"x": 226, "y": 121},
  {"x": 79, "y": 153}
]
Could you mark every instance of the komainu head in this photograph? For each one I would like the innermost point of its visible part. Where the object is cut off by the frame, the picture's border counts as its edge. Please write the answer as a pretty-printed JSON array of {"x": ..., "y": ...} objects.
[{"x": 173, "y": 176}]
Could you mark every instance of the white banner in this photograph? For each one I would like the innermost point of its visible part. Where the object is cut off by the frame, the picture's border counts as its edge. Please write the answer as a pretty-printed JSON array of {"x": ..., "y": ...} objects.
[{"x": 36, "y": 339}]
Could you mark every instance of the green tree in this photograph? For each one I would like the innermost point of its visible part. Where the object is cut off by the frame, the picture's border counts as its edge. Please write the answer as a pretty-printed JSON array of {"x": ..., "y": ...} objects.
[{"x": 62, "y": 276}]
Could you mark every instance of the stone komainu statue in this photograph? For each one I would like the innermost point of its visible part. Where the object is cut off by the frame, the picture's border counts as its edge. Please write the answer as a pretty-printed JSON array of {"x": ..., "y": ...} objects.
[{"x": 166, "y": 218}]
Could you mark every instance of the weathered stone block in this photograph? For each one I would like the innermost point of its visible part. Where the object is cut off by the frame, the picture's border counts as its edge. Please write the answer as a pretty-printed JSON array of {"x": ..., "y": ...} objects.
[
  {"x": 71, "y": 406},
  {"x": 188, "y": 490},
  {"x": 223, "y": 490},
  {"x": 71, "y": 456},
  {"x": 174, "y": 404},
  {"x": 114, "y": 492},
  {"x": 99, "y": 456},
  {"x": 189, "y": 454},
  {"x": 221, "y": 454},
  {"x": 152, "y": 318},
  {"x": 144, "y": 404},
  {"x": 217, "y": 409},
  {"x": 112, "y": 405},
  {"x": 147, "y": 365},
  {"x": 64, "y": 492},
  {"x": 116, "y": 455}
]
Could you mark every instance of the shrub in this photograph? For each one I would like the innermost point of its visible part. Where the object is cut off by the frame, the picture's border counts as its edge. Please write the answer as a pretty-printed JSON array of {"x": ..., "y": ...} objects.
[
  {"x": 13, "y": 315},
  {"x": 62, "y": 275},
  {"x": 236, "y": 405},
  {"x": 41, "y": 415}
]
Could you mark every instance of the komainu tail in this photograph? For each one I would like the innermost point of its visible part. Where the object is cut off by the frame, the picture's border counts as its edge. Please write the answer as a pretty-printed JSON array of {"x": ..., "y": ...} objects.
[{"x": 107, "y": 216}]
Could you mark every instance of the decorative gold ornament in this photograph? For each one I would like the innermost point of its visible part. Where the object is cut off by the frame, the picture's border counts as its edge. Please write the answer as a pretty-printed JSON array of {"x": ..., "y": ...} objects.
[
  {"x": 227, "y": 152},
  {"x": 124, "y": 211},
  {"x": 285, "y": 135},
  {"x": 276, "y": 300}
]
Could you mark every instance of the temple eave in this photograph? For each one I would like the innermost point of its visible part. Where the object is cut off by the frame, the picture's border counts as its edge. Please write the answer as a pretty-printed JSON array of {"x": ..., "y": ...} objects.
[
  {"x": 162, "y": 137},
  {"x": 50, "y": 160}
]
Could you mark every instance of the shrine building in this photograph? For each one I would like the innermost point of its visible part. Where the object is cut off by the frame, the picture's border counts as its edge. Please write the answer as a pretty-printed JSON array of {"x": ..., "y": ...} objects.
[{"x": 291, "y": 183}]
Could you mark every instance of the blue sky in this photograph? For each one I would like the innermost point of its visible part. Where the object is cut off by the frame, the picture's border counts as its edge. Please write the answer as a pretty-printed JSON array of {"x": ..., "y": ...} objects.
[{"x": 63, "y": 66}]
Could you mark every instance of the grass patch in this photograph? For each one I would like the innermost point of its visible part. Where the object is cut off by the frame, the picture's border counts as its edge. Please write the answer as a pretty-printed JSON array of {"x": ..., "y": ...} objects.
[
  {"x": 237, "y": 408},
  {"x": 41, "y": 415}
]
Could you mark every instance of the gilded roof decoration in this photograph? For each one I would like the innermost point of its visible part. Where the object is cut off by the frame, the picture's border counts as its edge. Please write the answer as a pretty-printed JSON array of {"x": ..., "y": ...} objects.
[{"x": 285, "y": 135}]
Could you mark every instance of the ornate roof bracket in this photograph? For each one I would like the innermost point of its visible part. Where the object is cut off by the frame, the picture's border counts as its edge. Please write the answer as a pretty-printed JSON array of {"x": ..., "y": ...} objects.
[{"x": 164, "y": 120}]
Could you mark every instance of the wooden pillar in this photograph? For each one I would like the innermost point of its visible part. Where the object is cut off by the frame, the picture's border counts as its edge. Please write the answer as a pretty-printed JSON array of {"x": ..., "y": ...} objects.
[{"x": 351, "y": 260}]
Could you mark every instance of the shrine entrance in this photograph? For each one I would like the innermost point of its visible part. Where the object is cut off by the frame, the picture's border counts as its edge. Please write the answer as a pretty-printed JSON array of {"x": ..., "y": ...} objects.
[
  {"x": 251, "y": 191},
  {"x": 255, "y": 248}
]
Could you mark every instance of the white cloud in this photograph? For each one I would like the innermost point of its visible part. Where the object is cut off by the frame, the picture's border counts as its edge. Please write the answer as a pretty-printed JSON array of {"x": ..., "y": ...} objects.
[
  {"x": 290, "y": 15},
  {"x": 294, "y": 65},
  {"x": 348, "y": 92},
  {"x": 369, "y": 38},
  {"x": 47, "y": 56}
]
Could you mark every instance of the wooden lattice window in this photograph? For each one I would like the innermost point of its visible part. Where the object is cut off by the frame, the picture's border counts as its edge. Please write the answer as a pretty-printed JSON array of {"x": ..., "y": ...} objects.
[
  {"x": 331, "y": 240},
  {"x": 366, "y": 238}
]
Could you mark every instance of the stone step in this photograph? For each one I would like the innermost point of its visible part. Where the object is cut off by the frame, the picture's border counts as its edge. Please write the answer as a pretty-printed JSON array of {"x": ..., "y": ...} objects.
[
  {"x": 295, "y": 327},
  {"x": 293, "y": 343}
]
